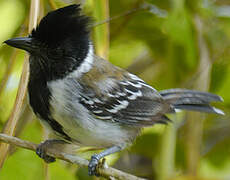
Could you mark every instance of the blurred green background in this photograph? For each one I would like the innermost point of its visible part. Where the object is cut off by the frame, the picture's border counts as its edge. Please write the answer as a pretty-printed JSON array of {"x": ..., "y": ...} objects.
[{"x": 169, "y": 44}]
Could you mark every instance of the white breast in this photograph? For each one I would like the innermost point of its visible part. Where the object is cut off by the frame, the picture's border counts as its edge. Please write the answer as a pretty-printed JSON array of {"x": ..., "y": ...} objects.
[{"x": 78, "y": 123}]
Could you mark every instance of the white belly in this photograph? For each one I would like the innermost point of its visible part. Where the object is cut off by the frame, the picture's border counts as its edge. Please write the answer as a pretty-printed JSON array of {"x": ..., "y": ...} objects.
[{"x": 80, "y": 125}]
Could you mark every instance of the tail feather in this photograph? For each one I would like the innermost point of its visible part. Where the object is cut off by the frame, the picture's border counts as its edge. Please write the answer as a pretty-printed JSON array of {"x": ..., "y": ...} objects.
[
  {"x": 191, "y": 100},
  {"x": 200, "y": 108},
  {"x": 172, "y": 94}
]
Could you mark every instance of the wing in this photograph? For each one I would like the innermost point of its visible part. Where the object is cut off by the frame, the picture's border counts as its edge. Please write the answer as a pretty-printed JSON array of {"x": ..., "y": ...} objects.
[{"x": 123, "y": 97}]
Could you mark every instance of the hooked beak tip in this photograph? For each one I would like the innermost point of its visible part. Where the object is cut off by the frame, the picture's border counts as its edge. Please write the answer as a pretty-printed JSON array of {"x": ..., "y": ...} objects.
[
  {"x": 6, "y": 42},
  {"x": 21, "y": 43}
]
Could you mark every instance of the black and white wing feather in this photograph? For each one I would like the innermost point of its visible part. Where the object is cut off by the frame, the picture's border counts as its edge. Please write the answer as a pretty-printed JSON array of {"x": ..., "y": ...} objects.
[
  {"x": 112, "y": 94},
  {"x": 129, "y": 101}
]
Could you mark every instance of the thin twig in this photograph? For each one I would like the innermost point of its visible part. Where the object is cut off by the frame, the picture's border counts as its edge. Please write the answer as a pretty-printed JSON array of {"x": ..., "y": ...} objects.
[
  {"x": 105, "y": 172},
  {"x": 11, "y": 62},
  {"x": 8, "y": 71},
  {"x": 126, "y": 13}
]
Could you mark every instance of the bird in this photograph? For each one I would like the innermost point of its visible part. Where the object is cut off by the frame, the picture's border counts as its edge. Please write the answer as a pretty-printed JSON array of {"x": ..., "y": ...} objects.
[{"x": 85, "y": 100}]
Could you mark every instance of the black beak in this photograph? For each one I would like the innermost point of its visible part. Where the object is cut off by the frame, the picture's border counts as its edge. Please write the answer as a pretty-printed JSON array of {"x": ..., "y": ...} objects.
[{"x": 21, "y": 43}]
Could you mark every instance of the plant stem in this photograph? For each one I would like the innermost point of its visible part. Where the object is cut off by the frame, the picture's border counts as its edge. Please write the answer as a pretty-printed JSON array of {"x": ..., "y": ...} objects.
[{"x": 12, "y": 122}]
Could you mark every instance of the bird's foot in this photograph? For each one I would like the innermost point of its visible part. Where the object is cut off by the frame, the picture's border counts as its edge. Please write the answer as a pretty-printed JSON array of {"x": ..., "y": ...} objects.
[
  {"x": 93, "y": 165},
  {"x": 41, "y": 151}
]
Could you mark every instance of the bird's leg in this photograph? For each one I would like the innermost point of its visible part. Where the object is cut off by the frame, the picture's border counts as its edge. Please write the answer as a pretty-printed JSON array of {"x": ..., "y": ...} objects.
[
  {"x": 42, "y": 148},
  {"x": 92, "y": 167}
]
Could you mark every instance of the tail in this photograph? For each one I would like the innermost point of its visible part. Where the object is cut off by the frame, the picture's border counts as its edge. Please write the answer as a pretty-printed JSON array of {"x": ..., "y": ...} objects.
[{"x": 191, "y": 100}]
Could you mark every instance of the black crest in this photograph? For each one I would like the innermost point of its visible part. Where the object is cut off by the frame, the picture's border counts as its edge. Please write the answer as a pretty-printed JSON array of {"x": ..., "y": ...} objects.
[{"x": 61, "y": 24}]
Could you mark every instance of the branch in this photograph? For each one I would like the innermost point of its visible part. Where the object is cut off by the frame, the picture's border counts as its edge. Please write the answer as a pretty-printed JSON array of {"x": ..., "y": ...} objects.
[{"x": 106, "y": 172}]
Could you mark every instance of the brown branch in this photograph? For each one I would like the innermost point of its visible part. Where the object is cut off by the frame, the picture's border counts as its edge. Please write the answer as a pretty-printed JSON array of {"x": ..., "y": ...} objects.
[{"x": 106, "y": 172}]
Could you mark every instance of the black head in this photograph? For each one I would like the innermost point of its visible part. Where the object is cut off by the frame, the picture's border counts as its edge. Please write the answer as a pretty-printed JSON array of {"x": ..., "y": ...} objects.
[
  {"x": 64, "y": 24},
  {"x": 59, "y": 43}
]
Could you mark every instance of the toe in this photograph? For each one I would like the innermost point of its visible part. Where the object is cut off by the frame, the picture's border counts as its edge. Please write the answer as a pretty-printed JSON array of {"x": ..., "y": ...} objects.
[
  {"x": 92, "y": 167},
  {"x": 41, "y": 152},
  {"x": 49, "y": 159}
]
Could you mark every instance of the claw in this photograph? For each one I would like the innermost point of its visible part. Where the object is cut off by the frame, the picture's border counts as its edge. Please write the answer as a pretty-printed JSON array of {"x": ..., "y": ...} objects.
[
  {"x": 94, "y": 162},
  {"x": 41, "y": 151},
  {"x": 92, "y": 167}
]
